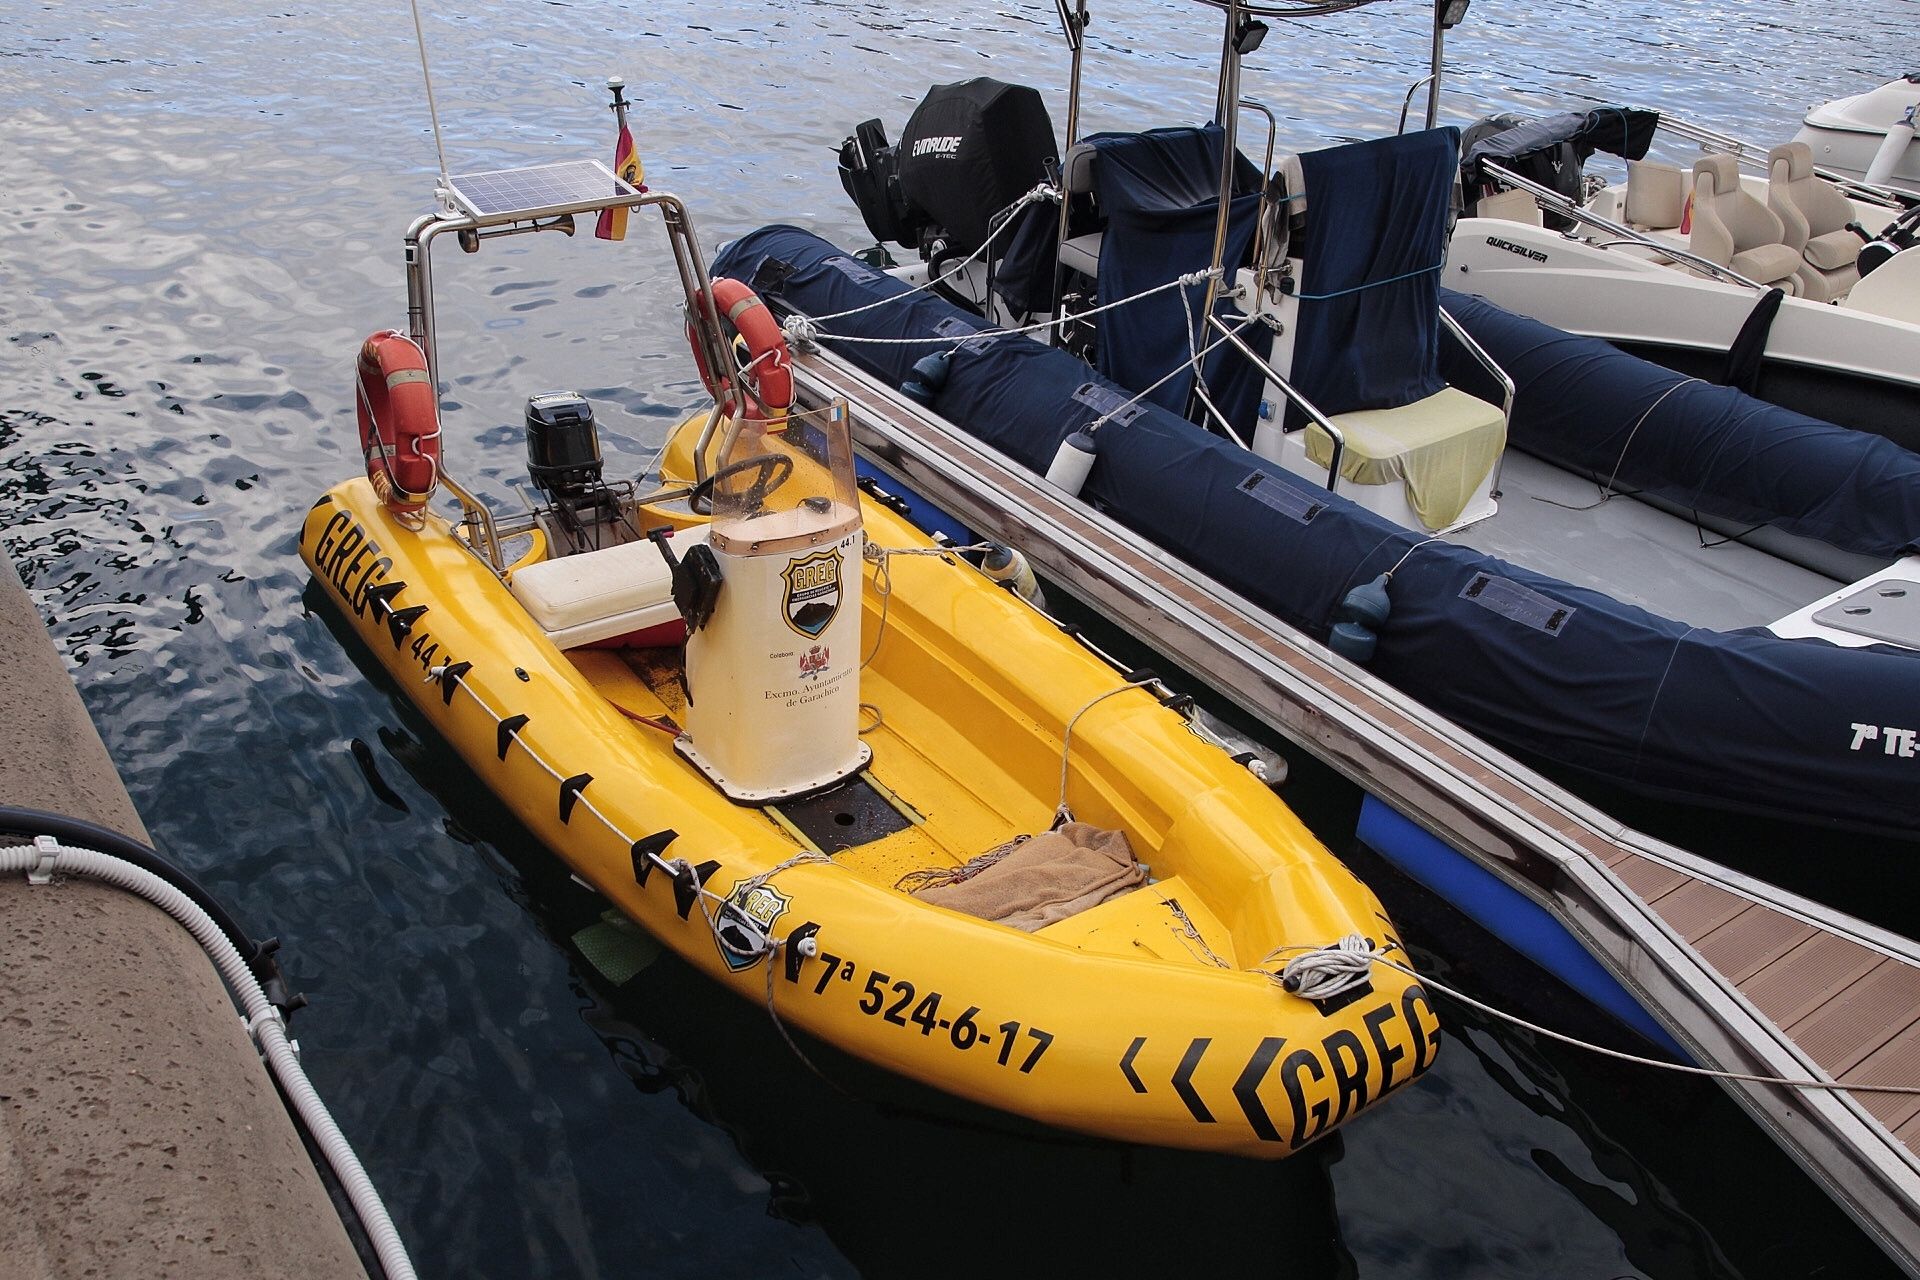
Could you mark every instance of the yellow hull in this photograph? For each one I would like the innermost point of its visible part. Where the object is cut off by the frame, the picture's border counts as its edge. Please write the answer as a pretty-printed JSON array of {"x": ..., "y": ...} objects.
[{"x": 1151, "y": 1018}]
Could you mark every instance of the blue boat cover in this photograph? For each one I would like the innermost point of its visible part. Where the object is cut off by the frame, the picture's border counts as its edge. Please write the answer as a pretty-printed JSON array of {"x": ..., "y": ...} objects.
[
  {"x": 1160, "y": 192},
  {"x": 1376, "y": 234},
  {"x": 1709, "y": 448},
  {"x": 1559, "y": 674}
]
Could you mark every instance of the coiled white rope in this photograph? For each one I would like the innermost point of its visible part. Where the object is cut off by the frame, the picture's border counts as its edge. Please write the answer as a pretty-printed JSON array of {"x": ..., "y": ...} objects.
[
  {"x": 263, "y": 1021},
  {"x": 1327, "y": 971}
]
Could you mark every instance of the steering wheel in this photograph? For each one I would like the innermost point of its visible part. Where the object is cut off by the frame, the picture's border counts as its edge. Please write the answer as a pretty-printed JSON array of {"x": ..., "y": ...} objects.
[{"x": 771, "y": 470}]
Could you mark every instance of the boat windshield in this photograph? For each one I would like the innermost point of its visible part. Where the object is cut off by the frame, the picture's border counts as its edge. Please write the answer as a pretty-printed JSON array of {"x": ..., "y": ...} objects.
[{"x": 785, "y": 484}]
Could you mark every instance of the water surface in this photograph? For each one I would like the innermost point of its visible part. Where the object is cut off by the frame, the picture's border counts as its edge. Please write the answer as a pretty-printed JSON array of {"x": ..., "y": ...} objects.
[{"x": 200, "y": 217}]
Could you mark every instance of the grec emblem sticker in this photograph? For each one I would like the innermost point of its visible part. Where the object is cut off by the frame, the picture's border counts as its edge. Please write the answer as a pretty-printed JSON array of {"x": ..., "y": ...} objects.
[
  {"x": 813, "y": 592},
  {"x": 746, "y": 921}
]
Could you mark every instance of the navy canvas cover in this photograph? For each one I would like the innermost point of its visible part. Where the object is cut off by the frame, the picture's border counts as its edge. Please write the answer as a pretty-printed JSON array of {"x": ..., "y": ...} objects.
[
  {"x": 1376, "y": 233},
  {"x": 1559, "y": 674},
  {"x": 1586, "y": 407},
  {"x": 1159, "y": 191},
  {"x": 1620, "y": 131}
]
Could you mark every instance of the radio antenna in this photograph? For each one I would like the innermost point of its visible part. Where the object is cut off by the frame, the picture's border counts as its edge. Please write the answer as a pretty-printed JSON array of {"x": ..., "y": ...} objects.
[{"x": 433, "y": 110}]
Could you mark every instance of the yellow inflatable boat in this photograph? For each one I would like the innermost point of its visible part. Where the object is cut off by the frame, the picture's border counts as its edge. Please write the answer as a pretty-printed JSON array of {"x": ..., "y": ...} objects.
[{"x": 837, "y": 767}]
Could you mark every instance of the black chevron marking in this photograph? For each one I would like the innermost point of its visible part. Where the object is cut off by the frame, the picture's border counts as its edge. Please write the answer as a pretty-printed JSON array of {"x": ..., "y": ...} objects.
[
  {"x": 1247, "y": 1087},
  {"x": 1183, "y": 1076},
  {"x": 1126, "y": 1065}
]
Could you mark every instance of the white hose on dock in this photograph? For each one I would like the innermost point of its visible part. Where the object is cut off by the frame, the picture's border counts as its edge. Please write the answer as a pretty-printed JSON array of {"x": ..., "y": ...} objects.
[{"x": 49, "y": 857}]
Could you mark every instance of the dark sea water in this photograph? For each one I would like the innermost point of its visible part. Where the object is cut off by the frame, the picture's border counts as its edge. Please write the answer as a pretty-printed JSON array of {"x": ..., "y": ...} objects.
[{"x": 201, "y": 207}]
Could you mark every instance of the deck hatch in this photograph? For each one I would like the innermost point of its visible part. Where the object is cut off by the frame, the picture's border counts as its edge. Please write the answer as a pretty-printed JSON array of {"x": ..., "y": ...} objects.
[
  {"x": 850, "y": 815},
  {"x": 1886, "y": 610}
]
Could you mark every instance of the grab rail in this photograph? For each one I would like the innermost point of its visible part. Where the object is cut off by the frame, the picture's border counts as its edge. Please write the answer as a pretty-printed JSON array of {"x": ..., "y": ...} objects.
[
  {"x": 1548, "y": 198},
  {"x": 1406, "y": 104},
  {"x": 1287, "y": 389},
  {"x": 1755, "y": 158},
  {"x": 1507, "y": 388}
]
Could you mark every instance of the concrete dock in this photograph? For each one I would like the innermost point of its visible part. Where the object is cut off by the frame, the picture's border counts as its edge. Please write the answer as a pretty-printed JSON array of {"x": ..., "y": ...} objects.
[{"x": 140, "y": 1134}]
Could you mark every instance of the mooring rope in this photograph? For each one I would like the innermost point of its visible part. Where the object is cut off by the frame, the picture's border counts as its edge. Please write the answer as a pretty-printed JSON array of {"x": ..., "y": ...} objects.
[{"x": 1354, "y": 954}]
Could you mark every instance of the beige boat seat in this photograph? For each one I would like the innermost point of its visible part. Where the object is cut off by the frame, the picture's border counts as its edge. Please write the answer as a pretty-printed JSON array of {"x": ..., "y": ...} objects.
[
  {"x": 1814, "y": 216},
  {"x": 1735, "y": 230},
  {"x": 1080, "y": 253},
  {"x": 613, "y": 593},
  {"x": 1511, "y": 204},
  {"x": 1656, "y": 195}
]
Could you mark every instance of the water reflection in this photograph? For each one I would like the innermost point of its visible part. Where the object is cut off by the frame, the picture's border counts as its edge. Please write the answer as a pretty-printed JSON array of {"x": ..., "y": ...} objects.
[{"x": 203, "y": 207}]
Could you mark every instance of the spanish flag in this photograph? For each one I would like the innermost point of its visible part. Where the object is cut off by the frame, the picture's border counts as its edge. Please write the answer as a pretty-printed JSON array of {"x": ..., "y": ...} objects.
[{"x": 626, "y": 163}]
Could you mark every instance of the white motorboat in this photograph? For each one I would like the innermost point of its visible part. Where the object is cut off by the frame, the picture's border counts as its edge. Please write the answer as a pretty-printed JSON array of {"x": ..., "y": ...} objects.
[
  {"x": 1869, "y": 135},
  {"x": 1759, "y": 268}
]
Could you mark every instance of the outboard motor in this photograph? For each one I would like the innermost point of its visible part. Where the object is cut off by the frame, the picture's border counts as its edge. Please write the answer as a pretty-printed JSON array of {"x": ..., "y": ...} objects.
[
  {"x": 773, "y": 670},
  {"x": 969, "y": 150},
  {"x": 563, "y": 457},
  {"x": 563, "y": 446}
]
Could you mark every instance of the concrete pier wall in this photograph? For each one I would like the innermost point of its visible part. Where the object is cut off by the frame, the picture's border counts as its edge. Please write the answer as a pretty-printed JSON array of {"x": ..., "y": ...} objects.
[{"x": 140, "y": 1134}]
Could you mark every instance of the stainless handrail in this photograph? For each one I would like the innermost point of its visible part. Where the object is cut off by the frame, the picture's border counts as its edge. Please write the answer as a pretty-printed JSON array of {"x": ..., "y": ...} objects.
[
  {"x": 1266, "y": 183},
  {"x": 1507, "y": 388},
  {"x": 1754, "y": 157},
  {"x": 1550, "y": 199},
  {"x": 1406, "y": 104},
  {"x": 1287, "y": 389},
  {"x": 479, "y": 520},
  {"x": 472, "y": 231}
]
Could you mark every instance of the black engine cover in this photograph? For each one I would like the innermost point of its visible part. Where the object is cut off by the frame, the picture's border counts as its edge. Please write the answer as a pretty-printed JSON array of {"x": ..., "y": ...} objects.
[{"x": 971, "y": 149}]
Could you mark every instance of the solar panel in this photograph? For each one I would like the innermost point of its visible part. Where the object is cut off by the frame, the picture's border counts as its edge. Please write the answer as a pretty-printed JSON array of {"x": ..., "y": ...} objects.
[{"x": 535, "y": 191}]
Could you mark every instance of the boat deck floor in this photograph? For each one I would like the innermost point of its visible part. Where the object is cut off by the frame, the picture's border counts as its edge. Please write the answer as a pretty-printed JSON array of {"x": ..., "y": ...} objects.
[
  {"x": 1554, "y": 522},
  {"x": 949, "y": 820}
]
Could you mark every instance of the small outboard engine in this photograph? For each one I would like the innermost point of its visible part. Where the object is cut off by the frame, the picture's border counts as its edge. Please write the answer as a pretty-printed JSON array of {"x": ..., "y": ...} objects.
[
  {"x": 968, "y": 151},
  {"x": 563, "y": 457}
]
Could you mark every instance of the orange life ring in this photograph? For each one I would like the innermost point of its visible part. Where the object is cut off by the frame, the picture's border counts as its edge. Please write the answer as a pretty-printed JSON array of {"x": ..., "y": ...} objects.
[
  {"x": 767, "y": 371},
  {"x": 399, "y": 422}
]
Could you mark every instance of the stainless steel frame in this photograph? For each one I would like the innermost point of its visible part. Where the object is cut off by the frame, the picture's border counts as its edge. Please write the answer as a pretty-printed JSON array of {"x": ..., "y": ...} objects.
[
  {"x": 1755, "y": 157},
  {"x": 1287, "y": 389},
  {"x": 1507, "y": 389},
  {"x": 483, "y": 532}
]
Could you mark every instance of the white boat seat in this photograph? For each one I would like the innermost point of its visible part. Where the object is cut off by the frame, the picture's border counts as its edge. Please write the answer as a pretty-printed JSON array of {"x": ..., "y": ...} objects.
[
  {"x": 1813, "y": 217},
  {"x": 1442, "y": 448},
  {"x": 1076, "y": 169},
  {"x": 1656, "y": 195},
  {"x": 1735, "y": 230},
  {"x": 599, "y": 595}
]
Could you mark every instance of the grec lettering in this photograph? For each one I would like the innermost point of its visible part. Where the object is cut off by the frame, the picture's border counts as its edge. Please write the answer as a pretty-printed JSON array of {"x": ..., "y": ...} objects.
[
  {"x": 347, "y": 558},
  {"x": 1349, "y": 1062},
  {"x": 1298, "y": 1061},
  {"x": 1426, "y": 1031},
  {"x": 352, "y": 538},
  {"x": 1388, "y": 1054},
  {"x": 323, "y": 545}
]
